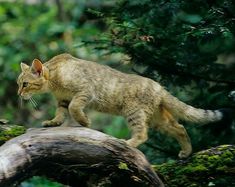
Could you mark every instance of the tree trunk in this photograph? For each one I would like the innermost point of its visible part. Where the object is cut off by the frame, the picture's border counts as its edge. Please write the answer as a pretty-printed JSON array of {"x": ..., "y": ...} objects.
[{"x": 75, "y": 156}]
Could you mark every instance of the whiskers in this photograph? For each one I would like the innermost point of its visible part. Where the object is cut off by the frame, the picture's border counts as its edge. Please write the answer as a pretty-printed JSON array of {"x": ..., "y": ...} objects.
[
  {"x": 32, "y": 101},
  {"x": 20, "y": 102}
]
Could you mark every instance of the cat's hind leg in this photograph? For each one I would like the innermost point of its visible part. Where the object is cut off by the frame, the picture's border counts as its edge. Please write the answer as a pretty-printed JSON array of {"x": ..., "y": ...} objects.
[
  {"x": 178, "y": 132},
  {"x": 168, "y": 125}
]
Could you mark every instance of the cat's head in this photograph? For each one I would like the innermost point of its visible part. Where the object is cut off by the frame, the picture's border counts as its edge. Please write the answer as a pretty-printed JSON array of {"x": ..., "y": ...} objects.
[{"x": 33, "y": 79}]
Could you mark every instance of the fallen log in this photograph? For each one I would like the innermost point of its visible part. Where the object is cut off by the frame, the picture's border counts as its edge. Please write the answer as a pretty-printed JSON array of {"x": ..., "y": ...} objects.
[{"x": 74, "y": 156}]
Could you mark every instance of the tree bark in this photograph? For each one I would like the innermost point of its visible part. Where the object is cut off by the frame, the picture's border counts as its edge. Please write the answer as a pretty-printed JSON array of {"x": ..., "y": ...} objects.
[{"x": 74, "y": 156}]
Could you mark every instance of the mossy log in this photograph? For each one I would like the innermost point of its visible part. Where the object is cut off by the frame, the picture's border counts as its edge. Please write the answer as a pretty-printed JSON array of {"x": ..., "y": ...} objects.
[
  {"x": 8, "y": 131},
  {"x": 74, "y": 156},
  {"x": 212, "y": 167}
]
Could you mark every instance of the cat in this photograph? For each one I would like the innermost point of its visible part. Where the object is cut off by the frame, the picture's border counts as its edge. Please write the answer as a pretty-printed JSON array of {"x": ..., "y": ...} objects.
[{"x": 78, "y": 84}]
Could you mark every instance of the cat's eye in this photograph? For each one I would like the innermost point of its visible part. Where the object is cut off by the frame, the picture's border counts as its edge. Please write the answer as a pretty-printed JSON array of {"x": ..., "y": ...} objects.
[{"x": 25, "y": 84}]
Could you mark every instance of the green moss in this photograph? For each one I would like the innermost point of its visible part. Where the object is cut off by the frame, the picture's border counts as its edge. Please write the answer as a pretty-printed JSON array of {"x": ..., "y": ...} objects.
[
  {"x": 194, "y": 168},
  {"x": 222, "y": 147},
  {"x": 200, "y": 168},
  {"x": 10, "y": 131},
  {"x": 123, "y": 165}
]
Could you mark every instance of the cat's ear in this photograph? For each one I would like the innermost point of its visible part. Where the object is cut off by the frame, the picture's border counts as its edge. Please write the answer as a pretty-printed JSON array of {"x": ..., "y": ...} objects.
[
  {"x": 37, "y": 67},
  {"x": 24, "y": 66}
]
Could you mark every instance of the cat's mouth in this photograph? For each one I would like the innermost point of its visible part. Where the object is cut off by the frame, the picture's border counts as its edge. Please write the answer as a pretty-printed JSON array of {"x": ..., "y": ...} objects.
[{"x": 26, "y": 97}]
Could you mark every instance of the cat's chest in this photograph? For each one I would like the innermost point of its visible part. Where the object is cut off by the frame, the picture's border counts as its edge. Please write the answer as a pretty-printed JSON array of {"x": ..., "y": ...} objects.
[{"x": 63, "y": 94}]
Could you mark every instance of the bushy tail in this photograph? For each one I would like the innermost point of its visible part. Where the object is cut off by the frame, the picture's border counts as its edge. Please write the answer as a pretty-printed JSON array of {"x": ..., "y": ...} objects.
[{"x": 186, "y": 112}]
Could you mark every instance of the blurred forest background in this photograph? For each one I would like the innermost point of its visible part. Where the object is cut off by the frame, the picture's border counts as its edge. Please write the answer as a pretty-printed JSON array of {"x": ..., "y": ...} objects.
[{"x": 187, "y": 46}]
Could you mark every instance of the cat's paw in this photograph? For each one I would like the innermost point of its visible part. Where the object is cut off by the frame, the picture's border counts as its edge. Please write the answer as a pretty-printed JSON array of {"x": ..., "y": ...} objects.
[
  {"x": 51, "y": 123},
  {"x": 132, "y": 142},
  {"x": 123, "y": 141},
  {"x": 85, "y": 123},
  {"x": 184, "y": 154}
]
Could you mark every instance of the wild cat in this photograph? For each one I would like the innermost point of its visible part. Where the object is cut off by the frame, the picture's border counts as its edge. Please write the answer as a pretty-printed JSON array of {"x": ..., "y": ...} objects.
[{"x": 78, "y": 84}]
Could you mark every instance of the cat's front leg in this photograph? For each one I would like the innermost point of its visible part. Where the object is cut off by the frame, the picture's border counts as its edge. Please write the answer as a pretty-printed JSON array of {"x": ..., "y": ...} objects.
[
  {"x": 138, "y": 126},
  {"x": 58, "y": 119},
  {"x": 76, "y": 107}
]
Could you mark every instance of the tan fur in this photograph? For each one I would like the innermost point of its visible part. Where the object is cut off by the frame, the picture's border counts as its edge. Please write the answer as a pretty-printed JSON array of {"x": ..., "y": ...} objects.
[{"x": 78, "y": 84}]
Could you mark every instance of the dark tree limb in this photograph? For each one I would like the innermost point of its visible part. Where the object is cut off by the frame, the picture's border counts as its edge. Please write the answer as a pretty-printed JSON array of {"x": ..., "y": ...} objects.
[
  {"x": 75, "y": 156},
  {"x": 61, "y": 12}
]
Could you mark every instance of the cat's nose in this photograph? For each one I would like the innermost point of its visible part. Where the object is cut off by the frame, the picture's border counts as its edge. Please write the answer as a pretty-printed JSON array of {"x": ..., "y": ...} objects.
[{"x": 19, "y": 91}]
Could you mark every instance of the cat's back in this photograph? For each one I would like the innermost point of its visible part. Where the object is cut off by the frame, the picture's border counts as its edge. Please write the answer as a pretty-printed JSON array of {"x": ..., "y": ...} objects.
[
  {"x": 69, "y": 68},
  {"x": 68, "y": 64},
  {"x": 60, "y": 60}
]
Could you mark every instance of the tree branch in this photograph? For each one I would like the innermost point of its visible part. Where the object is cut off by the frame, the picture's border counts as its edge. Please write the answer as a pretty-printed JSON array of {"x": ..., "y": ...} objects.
[
  {"x": 61, "y": 12},
  {"x": 73, "y": 155},
  {"x": 183, "y": 73}
]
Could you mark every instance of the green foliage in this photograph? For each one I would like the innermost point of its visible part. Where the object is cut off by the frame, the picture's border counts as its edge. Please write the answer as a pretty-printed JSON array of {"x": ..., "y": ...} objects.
[
  {"x": 117, "y": 128},
  {"x": 113, "y": 125},
  {"x": 39, "y": 182}
]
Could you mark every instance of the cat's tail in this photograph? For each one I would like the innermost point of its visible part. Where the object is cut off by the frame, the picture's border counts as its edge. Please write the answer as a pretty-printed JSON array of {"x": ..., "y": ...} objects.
[{"x": 186, "y": 112}]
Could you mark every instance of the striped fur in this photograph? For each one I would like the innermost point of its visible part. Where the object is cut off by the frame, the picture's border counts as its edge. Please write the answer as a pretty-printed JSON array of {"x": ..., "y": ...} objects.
[
  {"x": 78, "y": 84},
  {"x": 188, "y": 113}
]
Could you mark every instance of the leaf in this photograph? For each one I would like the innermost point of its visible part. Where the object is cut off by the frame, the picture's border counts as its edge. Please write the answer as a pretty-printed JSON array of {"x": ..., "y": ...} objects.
[{"x": 190, "y": 18}]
